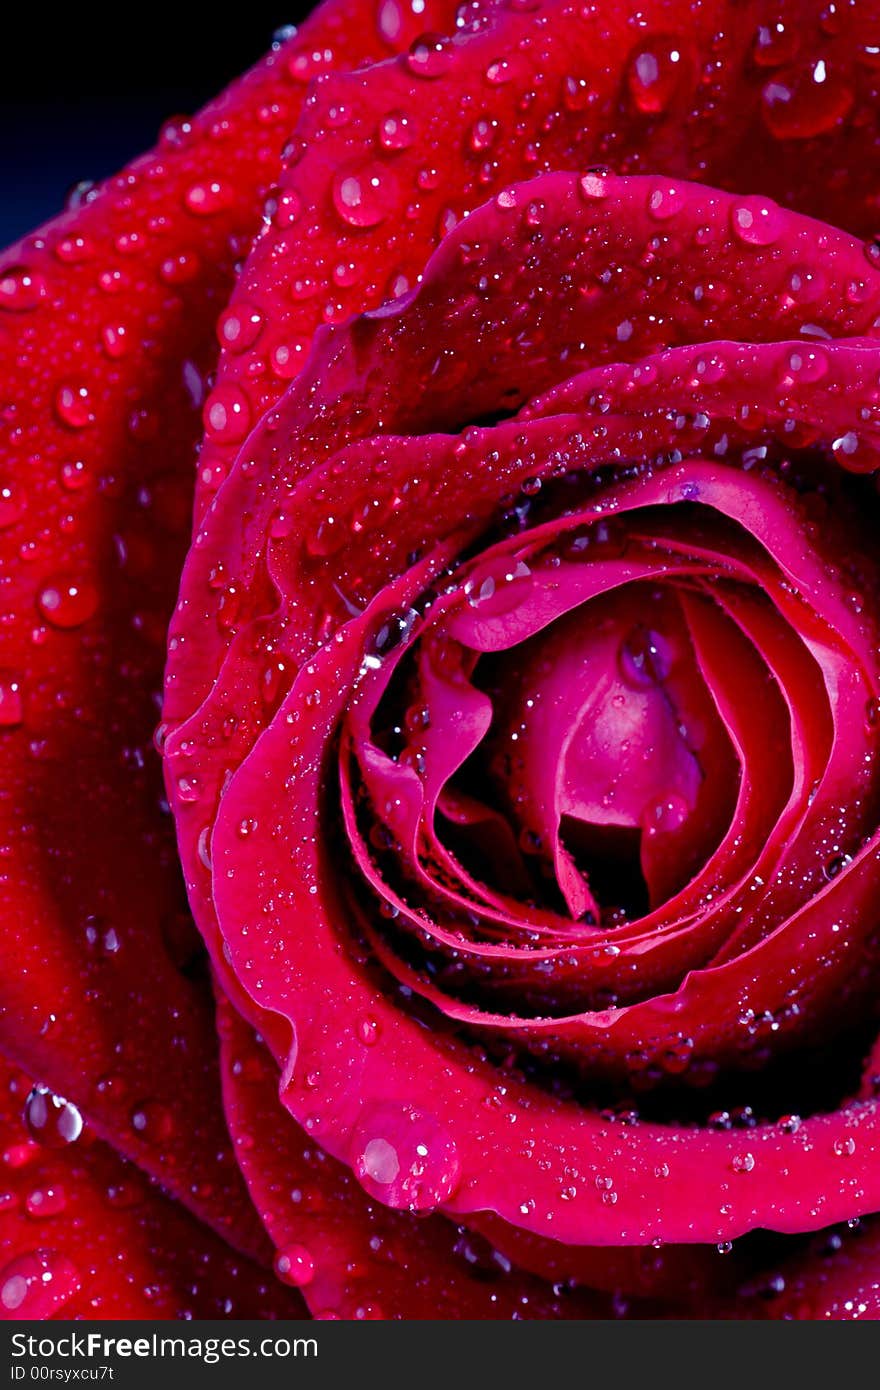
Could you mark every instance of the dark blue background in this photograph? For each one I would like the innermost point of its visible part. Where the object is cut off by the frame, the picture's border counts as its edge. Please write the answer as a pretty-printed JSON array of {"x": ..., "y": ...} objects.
[{"x": 81, "y": 95}]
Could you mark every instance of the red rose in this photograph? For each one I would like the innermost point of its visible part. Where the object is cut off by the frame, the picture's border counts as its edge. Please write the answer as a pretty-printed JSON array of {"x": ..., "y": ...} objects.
[{"x": 521, "y": 705}]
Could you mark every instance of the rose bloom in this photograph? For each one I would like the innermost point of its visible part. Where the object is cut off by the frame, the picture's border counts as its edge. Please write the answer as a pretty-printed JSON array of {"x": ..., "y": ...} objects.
[{"x": 522, "y": 681}]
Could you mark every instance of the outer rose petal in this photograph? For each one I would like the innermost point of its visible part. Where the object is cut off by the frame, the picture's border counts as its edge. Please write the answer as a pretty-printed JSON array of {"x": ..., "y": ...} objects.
[
  {"x": 404, "y": 370},
  {"x": 85, "y": 1235},
  {"x": 387, "y": 160},
  {"x": 106, "y": 337}
]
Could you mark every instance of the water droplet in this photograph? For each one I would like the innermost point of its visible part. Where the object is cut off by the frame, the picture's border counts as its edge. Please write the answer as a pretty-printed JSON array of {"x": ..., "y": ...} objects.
[
  {"x": 11, "y": 506},
  {"x": 207, "y": 198},
  {"x": 775, "y": 44},
  {"x": 368, "y": 1031},
  {"x": 482, "y": 134},
  {"x": 854, "y": 453},
  {"x": 404, "y": 1158},
  {"x": 653, "y": 75},
  {"x": 800, "y": 103},
  {"x": 743, "y": 1163},
  {"x": 395, "y": 131},
  {"x": 365, "y": 197},
  {"x": 665, "y": 200},
  {"x": 227, "y": 415},
  {"x": 806, "y": 364},
  {"x": 295, "y": 1266},
  {"x": 756, "y": 221},
  {"x": 36, "y": 1285},
  {"x": 188, "y": 788},
  {"x": 101, "y": 936},
  {"x": 53, "y": 1121},
  {"x": 845, "y": 1146},
  {"x": 204, "y": 847},
  {"x": 499, "y": 73},
  {"x": 68, "y": 603},
  {"x": 153, "y": 1121},
  {"x": 239, "y": 327},
  {"x": 836, "y": 864},
  {"x": 21, "y": 289},
  {"x": 11, "y": 702},
  {"x": 429, "y": 57},
  {"x": 73, "y": 406},
  {"x": 594, "y": 185},
  {"x": 287, "y": 358},
  {"x": 180, "y": 269},
  {"x": 499, "y": 587},
  {"x": 45, "y": 1202},
  {"x": 74, "y": 250}
]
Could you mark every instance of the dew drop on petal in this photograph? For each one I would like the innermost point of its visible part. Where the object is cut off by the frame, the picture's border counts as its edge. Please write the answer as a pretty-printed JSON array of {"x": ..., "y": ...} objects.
[
  {"x": 395, "y": 131},
  {"x": 53, "y": 1121},
  {"x": 45, "y": 1202},
  {"x": 21, "y": 289},
  {"x": 294, "y": 1265},
  {"x": 756, "y": 221},
  {"x": 11, "y": 700},
  {"x": 227, "y": 415},
  {"x": 799, "y": 103},
  {"x": 73, "y": 406},
  {"x": 153, "y": 1121},
  {"x": 404, "y": 1158},
  {"x": 239, "y": 327},
  {"x": 743, "y": 1163},
  {"x": 205, "y": 199},
  {"x": 654, "y": 74},
  {"x": 365, "y": 197},
  {"x": 593, "y": 185},
  {"x": 429, "y": 57},
  {"x": 11, "y": 505},
  {"x": 665, "y": 200},
  {"x": 68, "y": 603},
  {"x": 35, "y": 1285}
]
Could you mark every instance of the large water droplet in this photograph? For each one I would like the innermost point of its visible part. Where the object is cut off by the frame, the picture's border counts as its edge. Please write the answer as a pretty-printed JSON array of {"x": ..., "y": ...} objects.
[
  {"x": 800, "y": 103},
  {"x": 11, "y": 702},
  {"x": 206, "y": 198},
  {"x": 21, "y": 289},
  {"x": 11, "y": 505},
  {"x": 756, "y": 221},
  {"x": 395, "y": 131},
  {"x": 653, "y": 75},
  {"x": 295, "y": 1266},
  {"x": 73, "y": 406},
  {"x": 45, "y": 1202},
  {"x": 153, "y": 1121},
  {"x": 365, "y": 197},
  {"x": 227, "y": 415},
  {"x": 67, "y": 603},
  {"x": 53, "y": 1121},
  {"x": 429, "y": 56},
  {"x": 499, "y": 587},
  {"x": 404, "y": 1158},
  {"x": 239, "y": 327},
  {"x": 36, "y": 1285}
]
